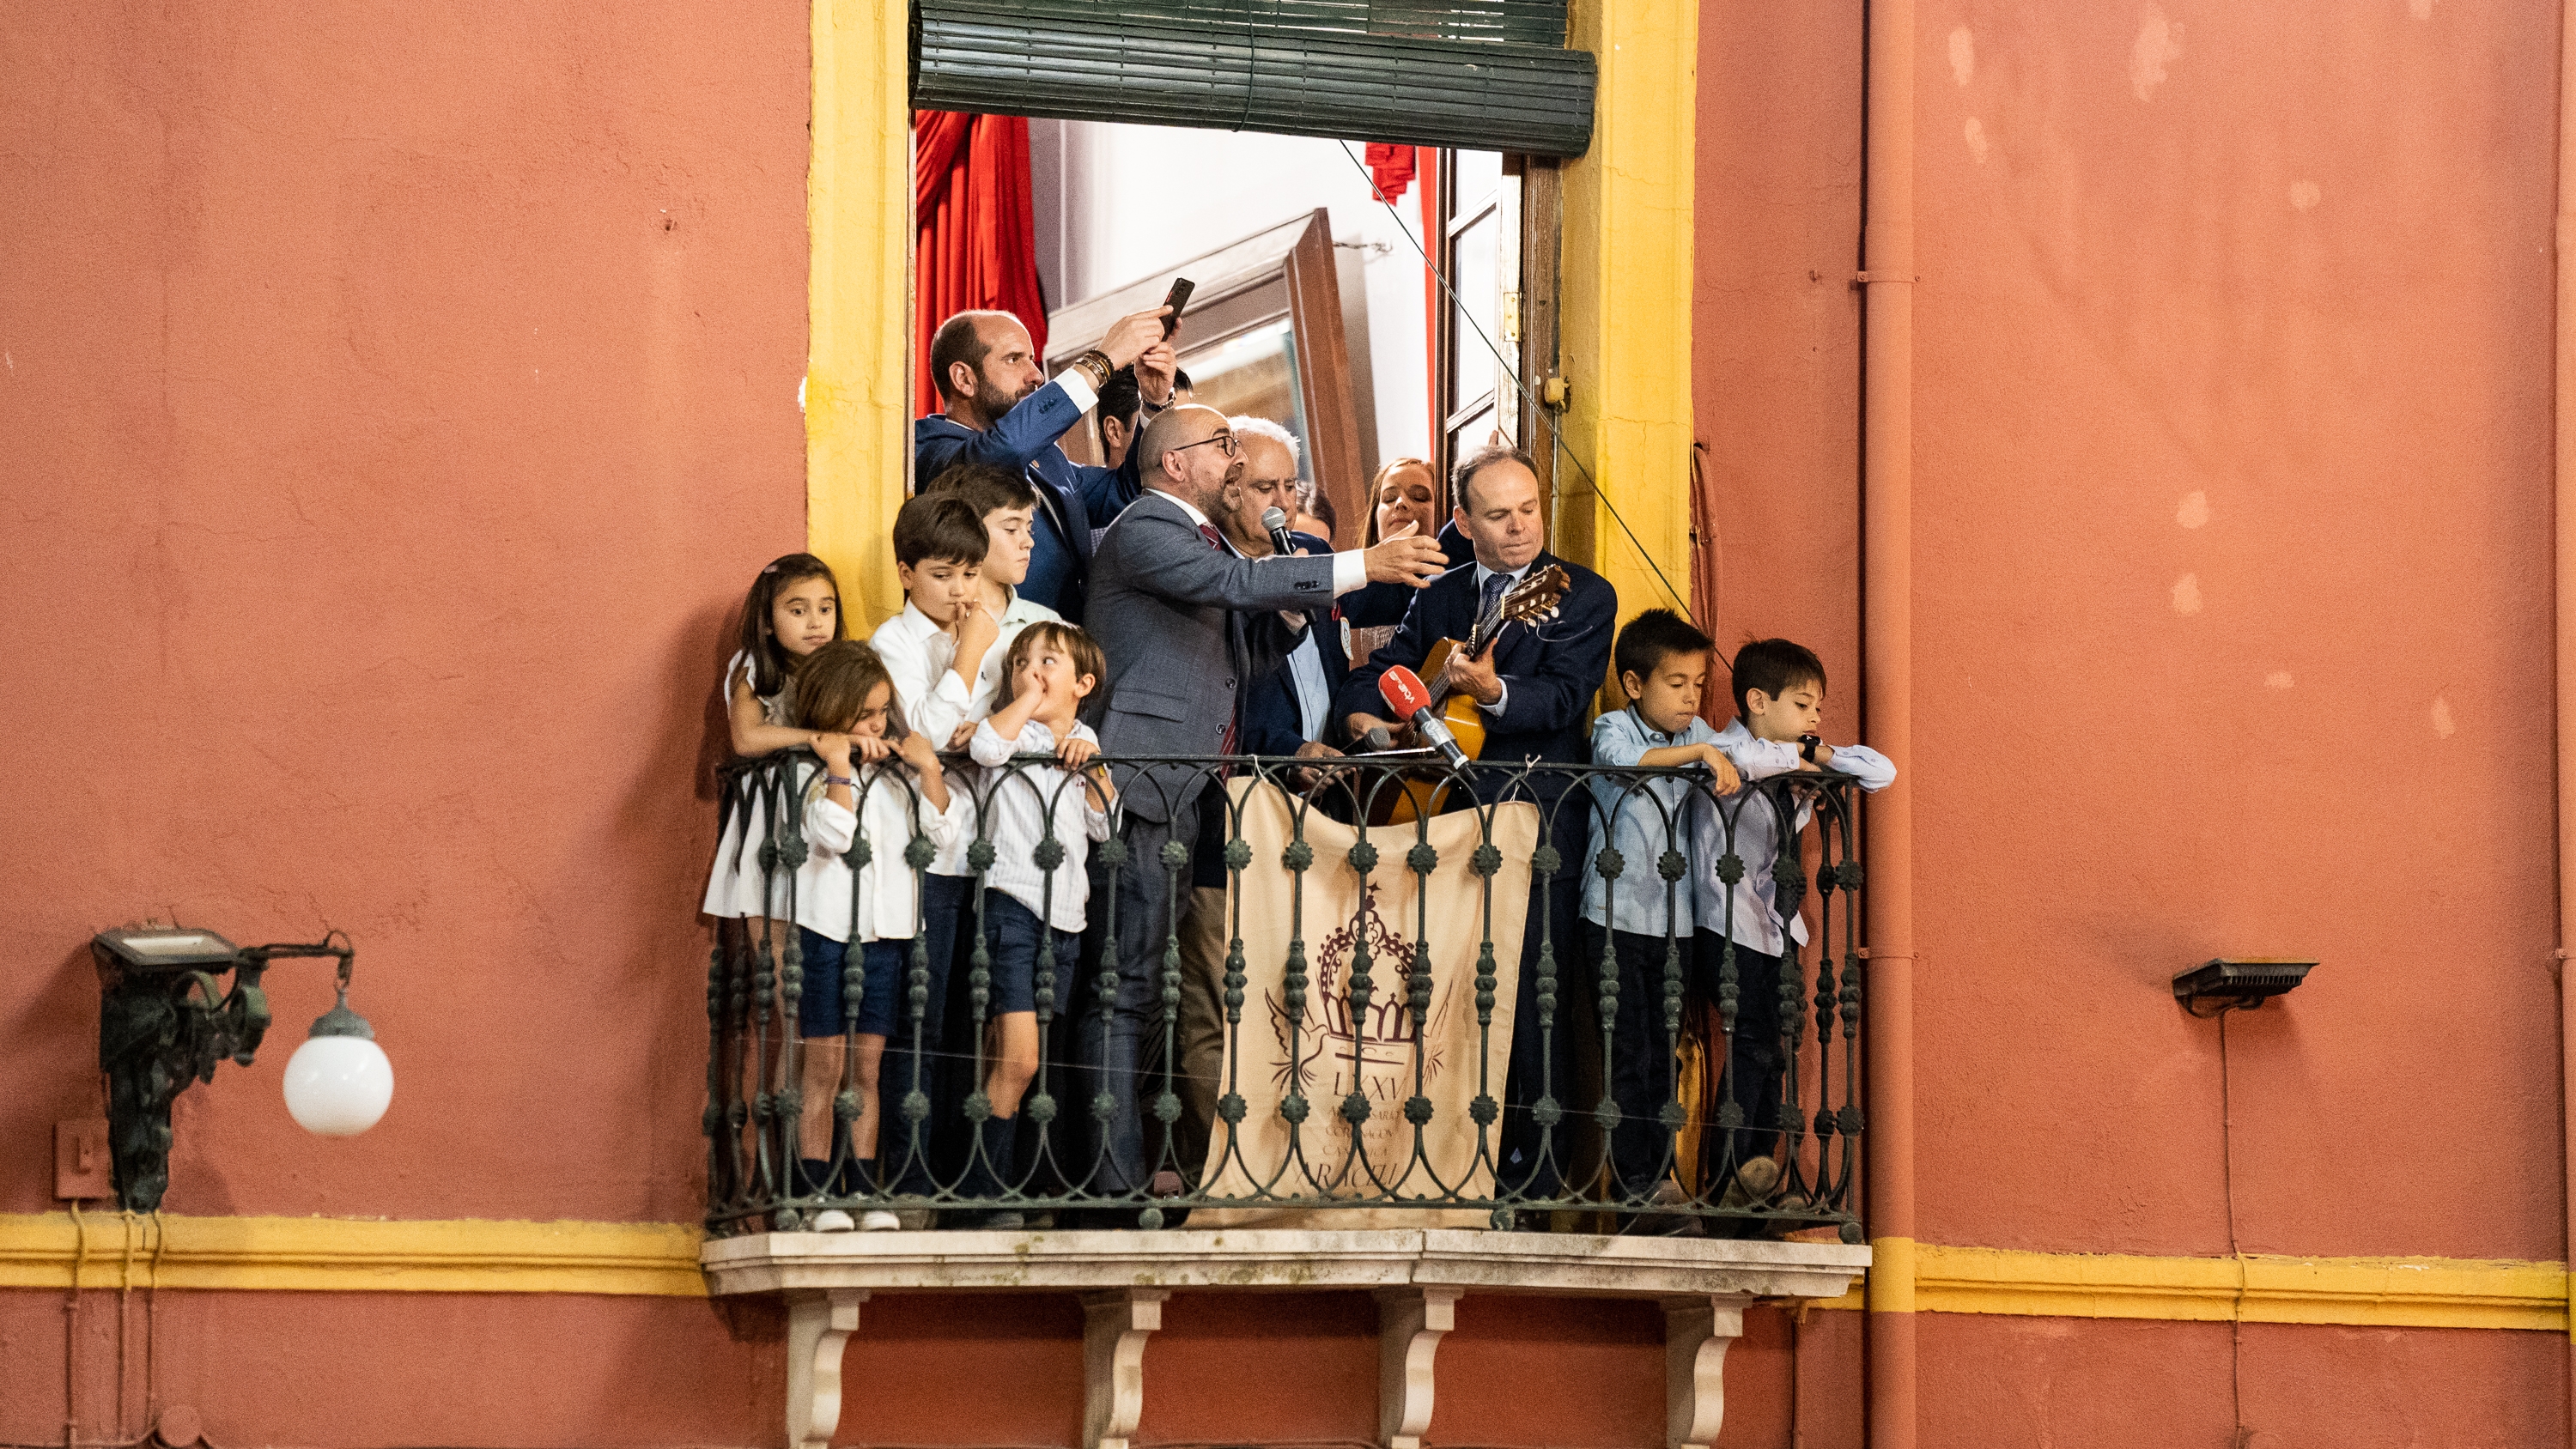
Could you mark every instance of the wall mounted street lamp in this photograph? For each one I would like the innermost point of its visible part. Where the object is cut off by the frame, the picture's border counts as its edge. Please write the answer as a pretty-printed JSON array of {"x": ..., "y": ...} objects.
[
  {"x": 2222, "y": 984},
  {"x": 165, "y": 1019}
]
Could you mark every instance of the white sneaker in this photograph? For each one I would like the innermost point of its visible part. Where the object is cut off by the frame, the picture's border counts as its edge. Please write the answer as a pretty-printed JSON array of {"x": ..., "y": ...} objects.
[
  {"x": 878, "y": 1220},
  {"x": 833, "y": 1220}
]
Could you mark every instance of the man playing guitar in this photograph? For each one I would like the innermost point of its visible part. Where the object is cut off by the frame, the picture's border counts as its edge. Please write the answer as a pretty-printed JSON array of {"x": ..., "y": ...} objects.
[{"x": 1533, "y": 685}]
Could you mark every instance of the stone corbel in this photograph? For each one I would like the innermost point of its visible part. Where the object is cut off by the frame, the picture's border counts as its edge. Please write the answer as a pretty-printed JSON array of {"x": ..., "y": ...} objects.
[
  {"x": 1697, "y": 1331},
  {"x": 1115, "y": 1326},
  {"x": 819, "y": 1324},
  {"x": 1410, "y": 1322}
]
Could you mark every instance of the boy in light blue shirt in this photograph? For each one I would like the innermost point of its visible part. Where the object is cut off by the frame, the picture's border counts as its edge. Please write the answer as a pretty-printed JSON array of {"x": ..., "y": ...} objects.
[
  {"x": 1638, "y": 925},
  {"x": 1779, "y": 709}
]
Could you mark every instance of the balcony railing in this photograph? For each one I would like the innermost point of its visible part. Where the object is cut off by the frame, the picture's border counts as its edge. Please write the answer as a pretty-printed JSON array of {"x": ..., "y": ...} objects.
[{"x": 1368, "y": 993}]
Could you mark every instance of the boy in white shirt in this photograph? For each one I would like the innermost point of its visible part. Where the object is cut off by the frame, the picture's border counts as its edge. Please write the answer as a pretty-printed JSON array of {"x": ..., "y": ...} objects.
[
  {"x": 936, "y": 647},
  {"x": 1040, "y": 820},
  {"x": 1008, "y": 506},
  {"x": 939, "y": 547},
  {"x": 1779, "y": 707},
  {"x": 1636, "y": 923}
]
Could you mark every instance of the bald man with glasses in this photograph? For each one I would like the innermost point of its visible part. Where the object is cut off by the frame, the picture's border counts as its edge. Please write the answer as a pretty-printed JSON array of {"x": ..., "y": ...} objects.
[{"x": 1180, "y": 617}]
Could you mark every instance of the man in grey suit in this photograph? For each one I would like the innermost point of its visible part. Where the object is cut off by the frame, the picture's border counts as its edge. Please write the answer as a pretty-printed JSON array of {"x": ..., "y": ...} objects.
[{"x": 1186, "y": 623}]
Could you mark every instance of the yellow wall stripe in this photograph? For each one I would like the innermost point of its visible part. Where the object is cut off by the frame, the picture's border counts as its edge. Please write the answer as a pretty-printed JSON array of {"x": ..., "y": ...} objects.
[
  {"x": 1624, "y": 290},
  {"x": 352, "y": 1255},
  {"x": 2375, "y": 1292},
  {"x": 858, "y": 390},
  {"x": 250, "y": 1254}
]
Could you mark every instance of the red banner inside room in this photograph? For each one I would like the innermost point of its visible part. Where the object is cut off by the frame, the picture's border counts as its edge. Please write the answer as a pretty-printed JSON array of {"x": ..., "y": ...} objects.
[{"x": 978, "y": 243}]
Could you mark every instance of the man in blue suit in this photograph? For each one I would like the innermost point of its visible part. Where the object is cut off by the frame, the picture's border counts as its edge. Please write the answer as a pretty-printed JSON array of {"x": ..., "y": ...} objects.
[
  {"x": 1002, "y": 410},
  {"x": 1535, "y": 685}
]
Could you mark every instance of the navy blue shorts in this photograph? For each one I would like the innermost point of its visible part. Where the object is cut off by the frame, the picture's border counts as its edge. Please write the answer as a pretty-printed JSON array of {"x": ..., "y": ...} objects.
[
  {"x": 1014, "y": 935},
  {"x": 819, "y": 1009}
]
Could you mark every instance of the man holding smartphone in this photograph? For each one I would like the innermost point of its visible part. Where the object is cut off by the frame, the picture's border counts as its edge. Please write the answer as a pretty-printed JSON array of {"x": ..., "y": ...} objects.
[{"x": 1002, "y": 410}]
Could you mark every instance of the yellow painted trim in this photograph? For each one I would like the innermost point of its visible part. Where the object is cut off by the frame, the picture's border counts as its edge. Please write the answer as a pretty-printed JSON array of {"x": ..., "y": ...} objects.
[
  {"x": 858, "y": 388},
  {"x": 1624, "y": 307},
  {"x": 2372, "y": 1292},
  {"x": 255, "y": 1254},
  {"x": 1892, "y": 1277},
  {"x": 352, "y": 1255}
]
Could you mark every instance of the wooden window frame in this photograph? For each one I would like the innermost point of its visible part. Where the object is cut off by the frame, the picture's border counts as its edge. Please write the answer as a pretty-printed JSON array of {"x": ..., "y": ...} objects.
[{"x": 1297, "y": 254}]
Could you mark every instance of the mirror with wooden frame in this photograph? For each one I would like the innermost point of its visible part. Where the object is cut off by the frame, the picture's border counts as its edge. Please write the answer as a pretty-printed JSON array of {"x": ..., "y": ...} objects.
[{"x": 1263, "y": 336}]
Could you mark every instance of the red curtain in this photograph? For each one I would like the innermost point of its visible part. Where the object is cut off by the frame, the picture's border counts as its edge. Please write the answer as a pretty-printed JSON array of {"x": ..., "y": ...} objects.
[{"x": 978, "y": 230}]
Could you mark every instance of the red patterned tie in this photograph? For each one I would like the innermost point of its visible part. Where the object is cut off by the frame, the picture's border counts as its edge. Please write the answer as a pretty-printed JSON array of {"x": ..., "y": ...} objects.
[{"x": 1225, "y": 745}]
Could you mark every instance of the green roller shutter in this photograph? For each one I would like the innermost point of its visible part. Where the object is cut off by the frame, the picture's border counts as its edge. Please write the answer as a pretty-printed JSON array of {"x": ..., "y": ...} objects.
[{"x": 1489, "y": 75}]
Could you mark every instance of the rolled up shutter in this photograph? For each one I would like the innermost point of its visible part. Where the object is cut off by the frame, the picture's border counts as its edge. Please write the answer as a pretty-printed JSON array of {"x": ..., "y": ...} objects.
[{"x": 1489, "y": 75}]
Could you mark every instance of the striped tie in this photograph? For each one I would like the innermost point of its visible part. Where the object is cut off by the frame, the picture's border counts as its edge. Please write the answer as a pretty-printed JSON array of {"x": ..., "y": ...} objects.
[{"x": 1226, "y": 743}]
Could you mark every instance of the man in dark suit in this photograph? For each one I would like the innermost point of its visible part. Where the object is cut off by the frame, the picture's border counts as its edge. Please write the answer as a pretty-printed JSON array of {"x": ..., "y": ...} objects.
[
  {"x": 1535, "y": 685},
  {"x": 1174, "y": 610},
  {"x": 1002, "y": 410}
]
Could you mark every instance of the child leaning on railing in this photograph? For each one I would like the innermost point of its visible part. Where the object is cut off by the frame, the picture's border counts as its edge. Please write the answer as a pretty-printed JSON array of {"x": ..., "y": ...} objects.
[
  {"x": 1636, "y": 922},
  {"x": 1032, "y": 911},
  {"x": 880, "y": 782},
  {"x": 1779, "y": 711},
  {"x": 793, "y": 609}
]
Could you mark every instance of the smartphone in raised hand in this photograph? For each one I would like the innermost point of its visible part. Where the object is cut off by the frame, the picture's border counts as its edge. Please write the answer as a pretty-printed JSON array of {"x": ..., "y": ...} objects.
[{"x": 1176, "y": 299}]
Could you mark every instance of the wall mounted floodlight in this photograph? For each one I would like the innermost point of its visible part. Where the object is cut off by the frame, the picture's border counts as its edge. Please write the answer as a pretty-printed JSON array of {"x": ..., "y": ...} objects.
[
  {"x": 166, "y": 1019},
  {"x": 2237, "y": 984}
]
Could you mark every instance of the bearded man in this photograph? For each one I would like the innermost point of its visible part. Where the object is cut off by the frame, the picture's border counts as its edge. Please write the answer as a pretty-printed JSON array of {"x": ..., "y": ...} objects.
[{"x": 1002, "y": 410}]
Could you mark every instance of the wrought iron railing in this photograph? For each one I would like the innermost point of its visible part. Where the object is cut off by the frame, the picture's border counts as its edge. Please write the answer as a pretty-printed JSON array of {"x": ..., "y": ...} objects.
[{"x": 1355, "y": 1080}]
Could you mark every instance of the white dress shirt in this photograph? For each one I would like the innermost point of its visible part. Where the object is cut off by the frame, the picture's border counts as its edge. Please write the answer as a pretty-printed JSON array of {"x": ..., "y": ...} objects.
[
  {"x": 916, "y": 649},
  {"x": 1077, "y": 386},
  {"x": 1019, "y": 614},
  {"x": 884, "y": 901},
  {"x": 920, "y": 656},
  {"x": 1756, "y": 919},
  {"x": 1350, "y": 566},
  {"x": 1016, "y": 801}
]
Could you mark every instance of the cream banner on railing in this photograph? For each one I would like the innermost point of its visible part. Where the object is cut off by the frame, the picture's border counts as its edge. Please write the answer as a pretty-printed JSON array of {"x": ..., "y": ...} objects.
[{"x": 1331, "y": 1047}]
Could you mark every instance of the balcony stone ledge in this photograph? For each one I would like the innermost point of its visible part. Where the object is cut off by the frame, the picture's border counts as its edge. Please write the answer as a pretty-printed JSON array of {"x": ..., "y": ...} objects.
[
  {"x": 1417, "y": 1274},
  {"x": 1282, "y": 1260}
]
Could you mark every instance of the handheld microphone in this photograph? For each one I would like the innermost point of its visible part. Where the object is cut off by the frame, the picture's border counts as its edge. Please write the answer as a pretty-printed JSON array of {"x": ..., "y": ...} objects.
[
  {"x": 1276, "y": 520},
  {"x": 1402, "y": 690},
  {"x": 1377, "y": 739}
]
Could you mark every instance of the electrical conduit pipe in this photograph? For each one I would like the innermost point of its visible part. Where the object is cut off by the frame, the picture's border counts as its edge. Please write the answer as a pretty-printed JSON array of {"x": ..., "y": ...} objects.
[
  {"x": 1887, "y": 684},
  {"x": 2563, "y": 602}
]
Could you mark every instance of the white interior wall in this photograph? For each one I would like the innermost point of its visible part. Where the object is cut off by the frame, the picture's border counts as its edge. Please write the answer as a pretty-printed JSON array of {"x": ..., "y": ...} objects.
[{"x": 1117, "y": 202}]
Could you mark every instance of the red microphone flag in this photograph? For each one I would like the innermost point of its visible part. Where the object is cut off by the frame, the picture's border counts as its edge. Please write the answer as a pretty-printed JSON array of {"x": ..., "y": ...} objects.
[{"x": 1402, "y": 690}]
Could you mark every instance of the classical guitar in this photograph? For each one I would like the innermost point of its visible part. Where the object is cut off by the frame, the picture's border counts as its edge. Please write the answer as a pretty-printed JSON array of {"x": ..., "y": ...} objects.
[{"x": 1530, "y": 601}]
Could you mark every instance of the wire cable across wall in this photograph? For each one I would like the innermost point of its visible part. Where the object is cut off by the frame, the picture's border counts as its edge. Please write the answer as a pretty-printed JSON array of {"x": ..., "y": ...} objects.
[{"x": 1521, "y": 388}]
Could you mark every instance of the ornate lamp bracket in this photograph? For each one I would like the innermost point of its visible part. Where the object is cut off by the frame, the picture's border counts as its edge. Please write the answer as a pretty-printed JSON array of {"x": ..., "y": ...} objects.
[{"x": 166, "y": 1018}]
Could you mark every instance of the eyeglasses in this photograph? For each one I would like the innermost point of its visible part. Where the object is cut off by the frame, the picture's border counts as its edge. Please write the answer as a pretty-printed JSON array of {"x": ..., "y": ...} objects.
[{"x": 1225, "y": 443}]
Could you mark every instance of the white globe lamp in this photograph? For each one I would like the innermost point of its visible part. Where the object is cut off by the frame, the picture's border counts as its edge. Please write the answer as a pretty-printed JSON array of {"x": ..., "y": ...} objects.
[{"x": 338, "y": 1083}]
